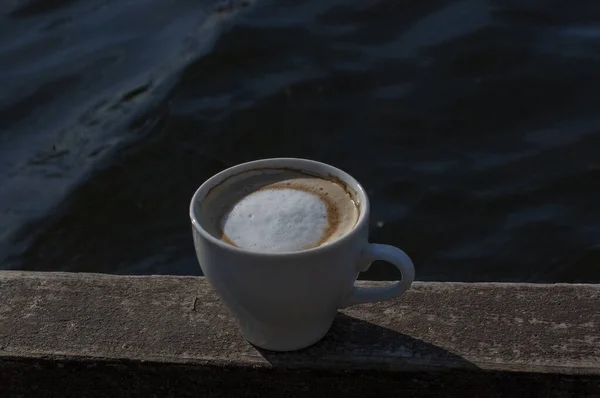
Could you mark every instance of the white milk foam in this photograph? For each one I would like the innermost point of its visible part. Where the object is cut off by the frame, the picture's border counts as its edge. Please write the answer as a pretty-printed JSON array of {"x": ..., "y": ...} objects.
[
  {"x": 277, "y": 211},
  {"x": 277, "y": 220}
]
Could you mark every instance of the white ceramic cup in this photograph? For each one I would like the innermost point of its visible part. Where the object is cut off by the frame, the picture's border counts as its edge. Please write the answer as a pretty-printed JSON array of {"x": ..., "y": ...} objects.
[{"x": 287, "y": 301}]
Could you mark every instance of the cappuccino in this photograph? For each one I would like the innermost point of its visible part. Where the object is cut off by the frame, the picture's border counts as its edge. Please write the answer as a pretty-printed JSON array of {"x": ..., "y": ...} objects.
[{"x": 278, "y": 211}]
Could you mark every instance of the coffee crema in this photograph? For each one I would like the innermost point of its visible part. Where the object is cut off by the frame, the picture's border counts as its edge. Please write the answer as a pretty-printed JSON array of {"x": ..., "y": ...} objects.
[{"x": 278, "y": 211}]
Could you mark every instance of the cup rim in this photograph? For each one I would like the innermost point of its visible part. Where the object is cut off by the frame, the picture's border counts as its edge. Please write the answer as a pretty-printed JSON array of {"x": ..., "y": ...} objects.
[{"x": 276, "y": 163}]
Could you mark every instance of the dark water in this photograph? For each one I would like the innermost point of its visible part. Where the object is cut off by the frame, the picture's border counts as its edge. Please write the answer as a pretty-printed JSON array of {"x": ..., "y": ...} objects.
[{"x": 474, "y": 126}]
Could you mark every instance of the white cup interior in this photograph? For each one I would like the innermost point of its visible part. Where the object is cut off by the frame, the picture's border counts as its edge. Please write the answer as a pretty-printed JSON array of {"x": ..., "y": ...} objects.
[{"x": 310, "y": 167}]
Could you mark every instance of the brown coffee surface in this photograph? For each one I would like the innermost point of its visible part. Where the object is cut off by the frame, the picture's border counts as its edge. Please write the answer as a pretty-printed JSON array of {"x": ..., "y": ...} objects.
[{"x": 277, "y": 210}]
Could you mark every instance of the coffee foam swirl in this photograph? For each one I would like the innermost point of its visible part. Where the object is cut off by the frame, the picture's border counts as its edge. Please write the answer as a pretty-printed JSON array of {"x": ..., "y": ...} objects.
[{"x": 289, "y": 215}]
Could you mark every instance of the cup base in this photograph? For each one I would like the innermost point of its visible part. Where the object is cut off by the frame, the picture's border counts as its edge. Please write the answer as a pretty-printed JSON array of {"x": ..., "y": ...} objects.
[{"x": 283, "y": 346}]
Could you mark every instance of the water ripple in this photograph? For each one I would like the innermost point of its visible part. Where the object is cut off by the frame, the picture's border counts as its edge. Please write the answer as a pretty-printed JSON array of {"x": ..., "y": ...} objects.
[{"x": 472, "y": 125}]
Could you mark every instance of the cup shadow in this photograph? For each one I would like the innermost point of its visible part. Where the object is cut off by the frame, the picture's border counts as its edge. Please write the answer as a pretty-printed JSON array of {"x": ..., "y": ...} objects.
[{"x": 353, "y": 343}]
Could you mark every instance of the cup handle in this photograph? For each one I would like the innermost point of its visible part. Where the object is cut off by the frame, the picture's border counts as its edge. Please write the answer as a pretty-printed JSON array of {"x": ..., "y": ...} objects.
[{"x": 392, "y": 255}]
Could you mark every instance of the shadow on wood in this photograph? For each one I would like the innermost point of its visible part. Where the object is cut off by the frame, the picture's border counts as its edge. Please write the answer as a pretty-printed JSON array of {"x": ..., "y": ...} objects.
[{"x": 365, "y": 338}]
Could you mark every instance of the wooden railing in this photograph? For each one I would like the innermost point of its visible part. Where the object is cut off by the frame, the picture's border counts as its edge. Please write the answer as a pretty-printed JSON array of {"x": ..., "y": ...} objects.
[{"x": 85, "y": 335}]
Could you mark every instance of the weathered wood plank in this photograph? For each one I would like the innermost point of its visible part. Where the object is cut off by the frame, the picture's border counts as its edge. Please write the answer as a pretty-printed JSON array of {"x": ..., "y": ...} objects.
[
  {"x": 538, "y": 328},
  {"x": 64, "y": 318}
]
